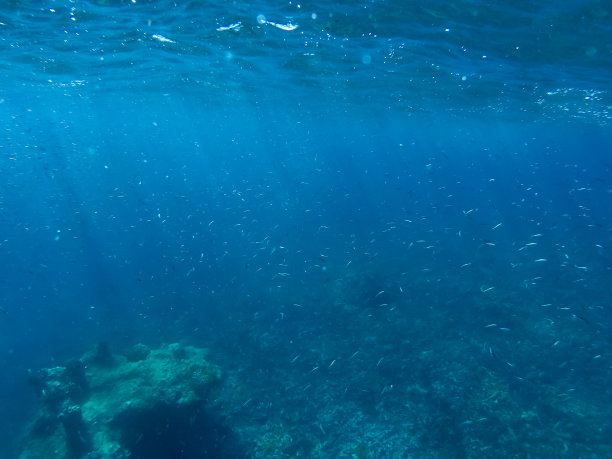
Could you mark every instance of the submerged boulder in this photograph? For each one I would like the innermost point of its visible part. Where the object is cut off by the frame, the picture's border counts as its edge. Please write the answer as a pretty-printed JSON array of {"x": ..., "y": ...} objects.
[{"x": 152, "y": 406}]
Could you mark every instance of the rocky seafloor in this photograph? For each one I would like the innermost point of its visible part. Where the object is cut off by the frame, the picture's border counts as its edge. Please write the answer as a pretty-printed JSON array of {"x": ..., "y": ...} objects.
[
  {"x": 144, "y": 403},
  {"x": 364, "y": 375}
]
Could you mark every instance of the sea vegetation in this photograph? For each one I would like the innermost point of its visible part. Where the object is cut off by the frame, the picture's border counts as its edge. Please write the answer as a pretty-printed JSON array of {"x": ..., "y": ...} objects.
[
  {"x": 362, "y": 367},
  {"x": 147, "y": 403}
]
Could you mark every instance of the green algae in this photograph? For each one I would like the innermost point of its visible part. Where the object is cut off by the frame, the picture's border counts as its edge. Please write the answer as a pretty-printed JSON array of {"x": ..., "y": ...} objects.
[{"x": 95, "y": 413}]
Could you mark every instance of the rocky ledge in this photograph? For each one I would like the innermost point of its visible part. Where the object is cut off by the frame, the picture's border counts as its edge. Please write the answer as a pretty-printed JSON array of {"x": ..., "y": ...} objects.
[{"x": 145, "y": 403}]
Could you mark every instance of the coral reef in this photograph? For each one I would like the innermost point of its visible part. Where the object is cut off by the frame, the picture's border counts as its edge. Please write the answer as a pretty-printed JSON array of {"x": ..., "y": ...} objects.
[{"x": 149, "y": 403}]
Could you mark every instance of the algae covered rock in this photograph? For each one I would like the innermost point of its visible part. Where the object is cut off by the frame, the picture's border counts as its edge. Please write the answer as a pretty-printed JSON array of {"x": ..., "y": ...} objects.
[
  {"x": 137, "y": 352},
  {"x": 159, "y": 378},
  {"x": 150, "y": 406},
  {"x": 58, "y": 384}
]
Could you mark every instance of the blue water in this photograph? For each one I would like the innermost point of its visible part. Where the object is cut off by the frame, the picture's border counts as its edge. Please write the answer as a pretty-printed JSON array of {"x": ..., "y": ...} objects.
[{"x": 390, "y": 221}]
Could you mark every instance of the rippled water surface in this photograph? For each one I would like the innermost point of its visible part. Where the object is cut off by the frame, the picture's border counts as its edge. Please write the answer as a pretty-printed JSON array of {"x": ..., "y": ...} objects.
[{"x": 489, "y": 57}]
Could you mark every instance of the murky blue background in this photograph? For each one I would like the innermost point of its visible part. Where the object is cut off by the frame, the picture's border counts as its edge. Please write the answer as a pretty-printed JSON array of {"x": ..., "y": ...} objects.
[{"x": 249, "y": 177}]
